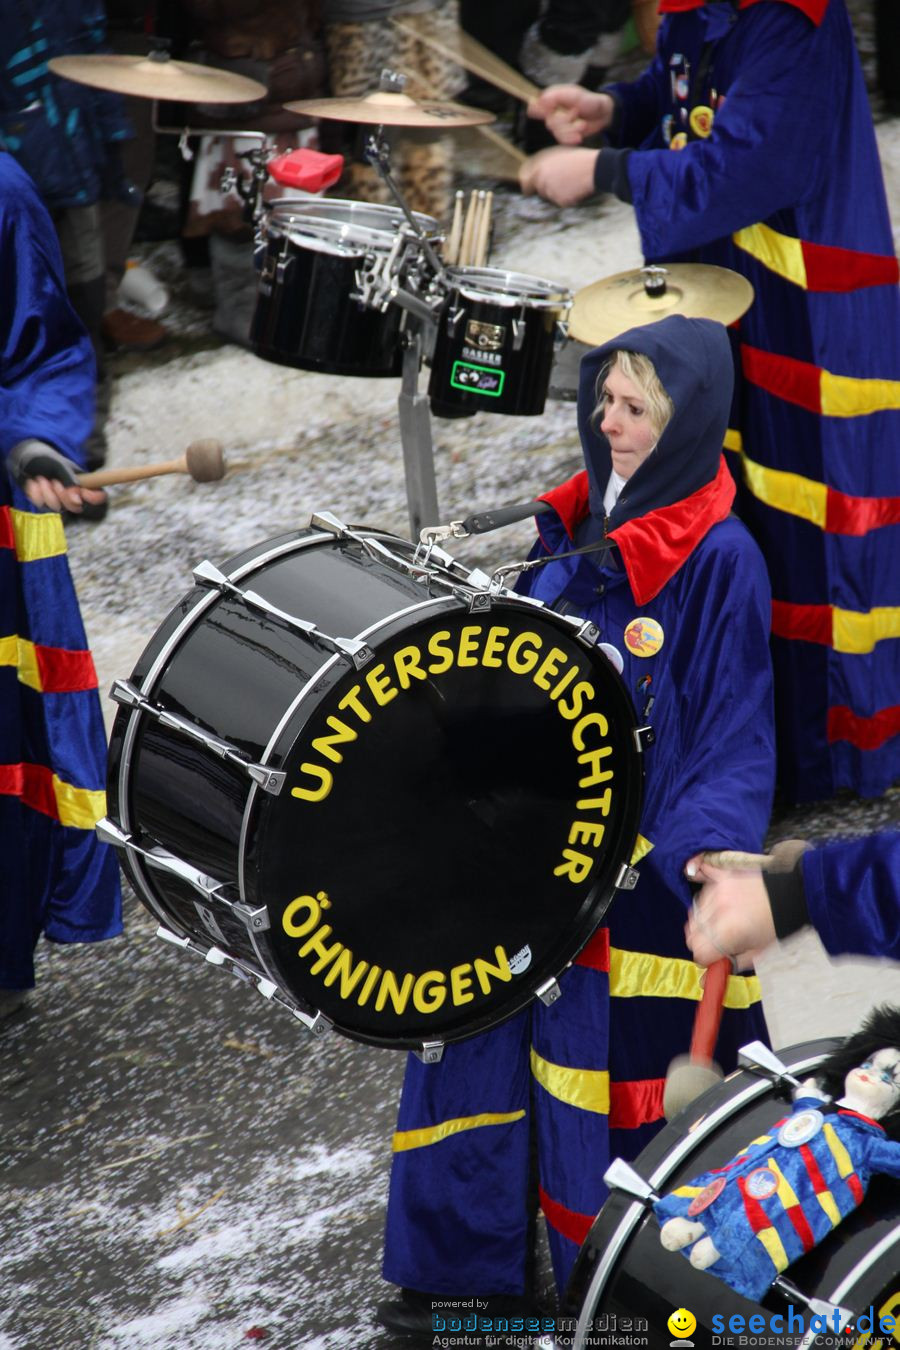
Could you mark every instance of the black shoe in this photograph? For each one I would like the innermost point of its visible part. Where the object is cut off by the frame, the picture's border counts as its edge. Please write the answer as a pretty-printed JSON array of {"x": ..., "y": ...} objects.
[{"x": 416, "y": 1313}]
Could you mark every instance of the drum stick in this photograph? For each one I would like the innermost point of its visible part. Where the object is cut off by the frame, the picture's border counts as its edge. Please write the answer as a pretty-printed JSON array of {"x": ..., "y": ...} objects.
[
  {"x": 451, "y": 248},
  {"x": 736, "y": 861},
  {"x": 203, "y": 460},
  {"x": 690, "y": 1075},
  {"x": 465, "y": 248},
  {"x": 467, "y": 52},
  {"x": 512, "y": 151},
  {"x": 482, "y": 245}
]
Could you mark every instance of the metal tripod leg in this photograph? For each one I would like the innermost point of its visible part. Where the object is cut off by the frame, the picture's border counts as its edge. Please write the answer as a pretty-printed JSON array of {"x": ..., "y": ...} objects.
[{"x": 415, "y": 437}]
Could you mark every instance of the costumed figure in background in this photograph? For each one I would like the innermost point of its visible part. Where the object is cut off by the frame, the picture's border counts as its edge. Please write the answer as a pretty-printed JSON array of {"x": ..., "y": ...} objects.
[
  {"x": 749, "y": 1219},
  {"x": 56, "y": 877},
  {"x": 682, "y": 590},
  {"x": 748, "y": 143},
  {"x": 68, "y": 138}
]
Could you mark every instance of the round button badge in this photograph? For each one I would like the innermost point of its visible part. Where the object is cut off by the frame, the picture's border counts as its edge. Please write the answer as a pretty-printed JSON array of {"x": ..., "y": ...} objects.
[
  {"x": 644, "y": 637},
  {"x": 800, "y": 1128},
  {"x": 706, "y": 1197},
  {"x": 761, "y": 1183}
]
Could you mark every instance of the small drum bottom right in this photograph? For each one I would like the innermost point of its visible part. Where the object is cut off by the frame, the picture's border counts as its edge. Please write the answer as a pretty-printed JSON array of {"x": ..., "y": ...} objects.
[{"x": 625, "y": 1285}]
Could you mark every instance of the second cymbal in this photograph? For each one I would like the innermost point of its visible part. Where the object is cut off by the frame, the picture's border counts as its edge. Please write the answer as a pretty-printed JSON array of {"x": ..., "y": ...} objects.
[
  {"x": 159, "y": 77},
  {"x": 697, "y": 290},
  {"x": 394, "y": 110}
]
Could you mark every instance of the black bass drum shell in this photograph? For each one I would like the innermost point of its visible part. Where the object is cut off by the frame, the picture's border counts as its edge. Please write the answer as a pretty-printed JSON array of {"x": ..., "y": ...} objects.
[
  {"x": 422, "y": 869},
  {"x": 625, "y": 1283}
]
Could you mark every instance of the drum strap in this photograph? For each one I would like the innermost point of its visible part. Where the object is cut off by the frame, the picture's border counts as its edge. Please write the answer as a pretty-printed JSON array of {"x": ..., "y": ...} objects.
[{"x": 516, "y": 569}]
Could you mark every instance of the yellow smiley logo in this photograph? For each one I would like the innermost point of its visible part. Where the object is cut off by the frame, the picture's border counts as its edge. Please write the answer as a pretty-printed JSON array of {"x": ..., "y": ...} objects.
[{"x": 682, "y": 1323}]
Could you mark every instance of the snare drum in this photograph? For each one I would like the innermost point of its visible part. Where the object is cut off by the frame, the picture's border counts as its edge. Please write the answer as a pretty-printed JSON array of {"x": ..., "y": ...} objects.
[
  {"x": 496, "y": 337},
  {"x": 624, "y": 1281},
  {"x": 313, "y": 254},
  {"x": 351, "y": 775}
]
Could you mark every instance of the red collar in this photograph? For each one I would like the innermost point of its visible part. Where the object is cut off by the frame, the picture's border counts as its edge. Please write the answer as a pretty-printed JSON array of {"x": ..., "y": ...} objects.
[
  {"x": 813, "y": 9},
  {"x": 858, "y": 1115},
  {"x": 656, "y": 545}
]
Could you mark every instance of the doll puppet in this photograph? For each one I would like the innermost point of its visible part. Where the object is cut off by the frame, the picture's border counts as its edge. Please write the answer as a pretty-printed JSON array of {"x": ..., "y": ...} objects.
[{"x": 748, "y": 1220}]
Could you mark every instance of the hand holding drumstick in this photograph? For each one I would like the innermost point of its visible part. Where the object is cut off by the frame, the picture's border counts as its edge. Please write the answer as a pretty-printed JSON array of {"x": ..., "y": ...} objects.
[{"x": 731, "y": 915}]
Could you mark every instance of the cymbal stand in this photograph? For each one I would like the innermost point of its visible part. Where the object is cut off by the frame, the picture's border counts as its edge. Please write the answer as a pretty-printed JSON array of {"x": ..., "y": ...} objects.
[{"x": 414, "y": 408}]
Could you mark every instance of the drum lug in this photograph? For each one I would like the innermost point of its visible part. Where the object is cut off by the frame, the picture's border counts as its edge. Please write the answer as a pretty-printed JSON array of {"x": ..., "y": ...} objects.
[
  {"x": 168, "y": 936},
  {"x": 431, "y": 1053},
  {"x": 317, "y": 1025},
  {"x": 549, "y": 992},
  {"x": 621, "y": 1176},
  {"x": 588, "y": 633},
  {"x": 518, "y": 332},
  {"x": 453, "y": 319},
  {"x": 256, "y": 919},
  {"x": 268, "y": 988},
  {"x": 475, "y": 601},
  {"x": 126, "y": 694},
  {"x": 644, "y": 736},
  {"x": 216, "y": 957},
  {"x": 627, "y": 879}
]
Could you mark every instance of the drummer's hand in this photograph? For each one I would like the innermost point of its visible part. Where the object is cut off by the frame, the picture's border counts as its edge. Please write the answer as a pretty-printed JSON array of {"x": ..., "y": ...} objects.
[
  {"x": 571, "y": 112},
  {"x": 731, "y": 915},
  {"x": 563, "y": 176},
  {"x": 51, "y": 495}
]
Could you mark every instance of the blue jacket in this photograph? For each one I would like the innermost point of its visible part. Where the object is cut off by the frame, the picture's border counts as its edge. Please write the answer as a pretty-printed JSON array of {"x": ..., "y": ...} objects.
[{"x": 65, "y": 135}]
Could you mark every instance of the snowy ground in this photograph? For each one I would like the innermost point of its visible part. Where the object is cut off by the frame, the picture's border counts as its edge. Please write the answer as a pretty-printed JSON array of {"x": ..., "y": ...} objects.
[{"x": 185, "y": 1169}]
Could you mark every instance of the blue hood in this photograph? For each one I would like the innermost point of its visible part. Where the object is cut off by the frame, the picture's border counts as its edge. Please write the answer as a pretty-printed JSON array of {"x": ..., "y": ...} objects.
[{"x": 692, "y": 358}]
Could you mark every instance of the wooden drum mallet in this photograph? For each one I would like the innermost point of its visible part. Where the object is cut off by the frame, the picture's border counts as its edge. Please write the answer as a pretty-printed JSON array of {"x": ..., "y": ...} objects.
[{"x": 204, "y": 460}]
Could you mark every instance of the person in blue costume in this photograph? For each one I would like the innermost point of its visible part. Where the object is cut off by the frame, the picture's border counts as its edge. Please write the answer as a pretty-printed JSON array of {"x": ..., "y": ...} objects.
[
  {"x": 56, "y": 877},
  {"x": 748, "y": 1220},
  {"x": 748, "y": 143},
  {"x": 848, "y": 890},
  {"x": 682, "y": 591}
]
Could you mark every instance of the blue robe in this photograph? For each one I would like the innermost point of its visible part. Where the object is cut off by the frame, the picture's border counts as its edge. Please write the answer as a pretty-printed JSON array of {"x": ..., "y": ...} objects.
[
  {"x": 56, "y": 877},
  {"x": 787, "y": 190},
  {"x": 852, "y": 889},
  {"x": 777, "y": 1202},
  {"x": 587, "y": 1073}
]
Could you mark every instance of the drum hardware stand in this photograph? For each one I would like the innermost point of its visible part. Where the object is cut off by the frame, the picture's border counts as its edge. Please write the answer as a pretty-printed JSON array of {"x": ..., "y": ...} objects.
[
  {"x": 207, "y": 574},
  {"x": 129, "y": 696}
]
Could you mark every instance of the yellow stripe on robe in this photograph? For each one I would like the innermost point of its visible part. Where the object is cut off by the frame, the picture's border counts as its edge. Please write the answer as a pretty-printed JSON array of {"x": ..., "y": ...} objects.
[
  {"x": 37, "y": 536},
  {"x": 80, "y": 808},
  {"x": 433, "y": 1134},
  {"x": 588, "y": 1089},
  {"x": 643, "y": 975},
  {"x": 780, "y": 253},
  {"x": 858, "y": 632}
]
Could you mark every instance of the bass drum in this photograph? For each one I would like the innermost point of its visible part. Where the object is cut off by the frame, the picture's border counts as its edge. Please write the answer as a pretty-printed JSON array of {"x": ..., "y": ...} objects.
[
  {"x": 397, "y": 798},
  {"x": 625, "y": 1282}
]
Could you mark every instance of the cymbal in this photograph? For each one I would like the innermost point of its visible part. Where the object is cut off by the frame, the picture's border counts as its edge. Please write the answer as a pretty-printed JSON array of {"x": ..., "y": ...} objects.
[
  {"x": 158, "y": 76},
  {"x": 392, "y": 110},
  {"x": 607, "y": 308}
]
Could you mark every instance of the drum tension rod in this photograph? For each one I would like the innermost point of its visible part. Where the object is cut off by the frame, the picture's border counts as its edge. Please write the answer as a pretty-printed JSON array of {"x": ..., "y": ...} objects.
[
  {"x": 819, "y": 1307},
  {"x": 129, "y": 696},
  {"x": 207, "y": 574},
  {"x": 759, "y": 1059}
]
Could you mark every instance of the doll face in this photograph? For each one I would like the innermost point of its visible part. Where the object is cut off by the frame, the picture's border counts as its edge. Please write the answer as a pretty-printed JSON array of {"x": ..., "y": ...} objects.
[
  {"x": 876, "y": 1082},
  {"x": 625, "y": 424}
]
